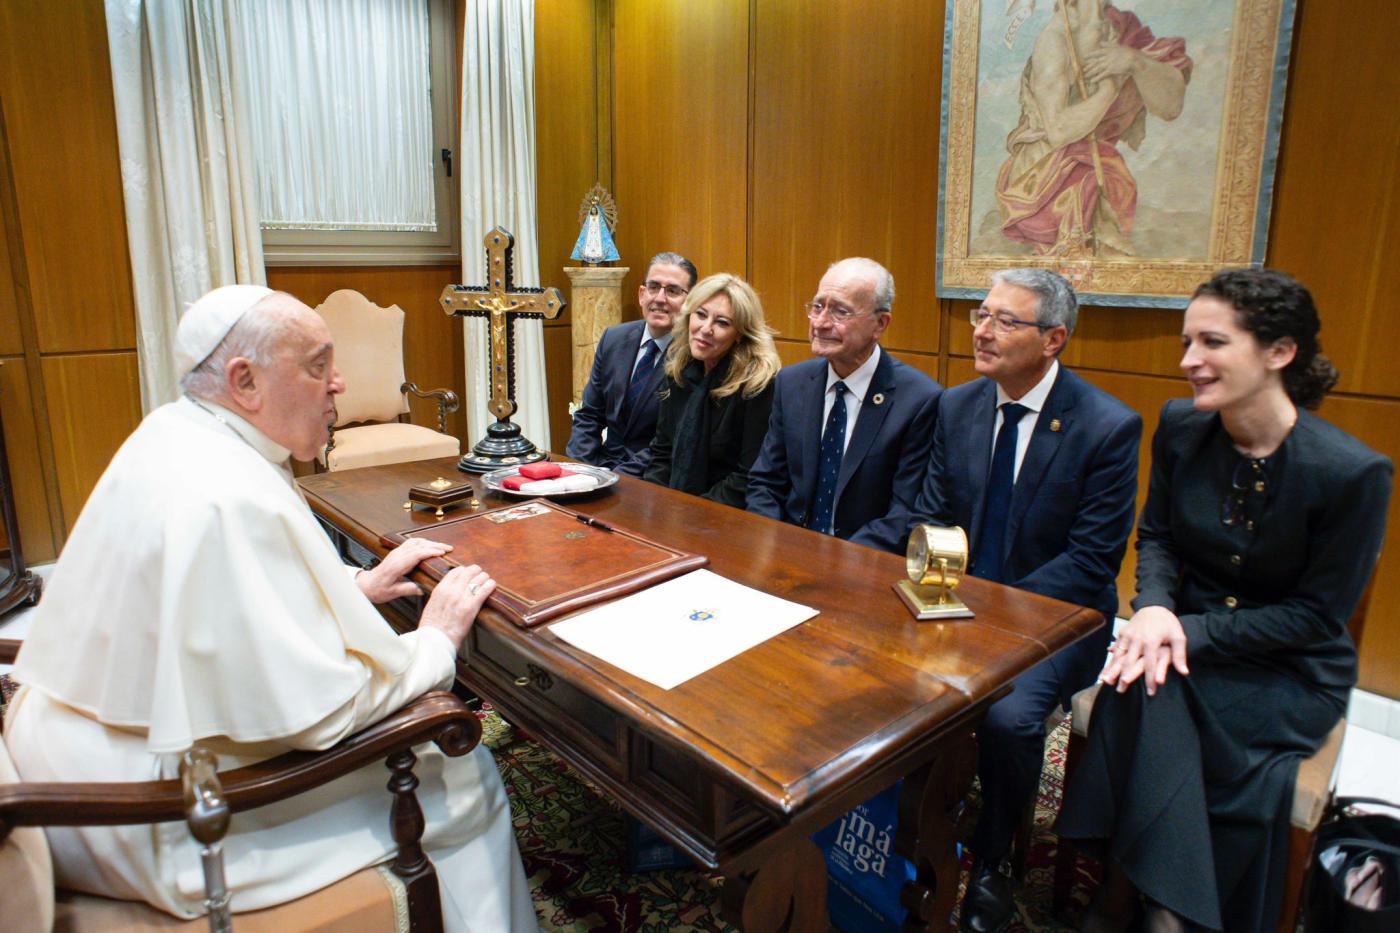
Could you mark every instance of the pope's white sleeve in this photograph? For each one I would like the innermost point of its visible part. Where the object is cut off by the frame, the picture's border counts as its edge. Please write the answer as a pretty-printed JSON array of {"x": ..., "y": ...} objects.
[{"x": 433, "y": 666}]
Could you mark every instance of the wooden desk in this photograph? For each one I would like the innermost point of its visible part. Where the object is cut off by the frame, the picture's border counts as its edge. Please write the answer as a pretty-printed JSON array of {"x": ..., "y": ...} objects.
[{"x": 739, "y": 766}]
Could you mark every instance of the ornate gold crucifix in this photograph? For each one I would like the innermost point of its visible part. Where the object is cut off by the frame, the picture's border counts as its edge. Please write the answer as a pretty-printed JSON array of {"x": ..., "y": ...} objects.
[{"x": 501, "y": 302}]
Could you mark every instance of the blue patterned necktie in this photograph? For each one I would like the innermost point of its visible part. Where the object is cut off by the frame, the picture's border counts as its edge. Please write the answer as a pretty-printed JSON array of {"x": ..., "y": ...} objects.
[
  {"x": 1001, "y": 483},
  {"x": 829, "y": 464},
  {"x": 640, "y": 375}
]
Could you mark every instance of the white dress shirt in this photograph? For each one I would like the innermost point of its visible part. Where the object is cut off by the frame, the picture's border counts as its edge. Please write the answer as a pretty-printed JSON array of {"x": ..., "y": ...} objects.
[
  {"x": 857, "y": 384},
  {"x": 1035, "y": 401},
  {"x": 661, "y": 344}
]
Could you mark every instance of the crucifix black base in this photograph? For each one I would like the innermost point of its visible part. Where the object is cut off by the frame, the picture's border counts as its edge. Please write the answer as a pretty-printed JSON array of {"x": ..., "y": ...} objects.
[{"x": 503, "y": 446}]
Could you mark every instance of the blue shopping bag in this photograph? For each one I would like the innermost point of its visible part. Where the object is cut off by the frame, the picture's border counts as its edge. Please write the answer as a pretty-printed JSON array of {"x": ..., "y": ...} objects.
[{"x": 863, "y": 872}]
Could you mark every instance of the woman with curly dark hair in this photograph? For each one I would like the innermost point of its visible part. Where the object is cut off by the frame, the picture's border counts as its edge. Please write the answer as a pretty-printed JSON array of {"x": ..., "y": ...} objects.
[{"x": 1261, "y": 528}]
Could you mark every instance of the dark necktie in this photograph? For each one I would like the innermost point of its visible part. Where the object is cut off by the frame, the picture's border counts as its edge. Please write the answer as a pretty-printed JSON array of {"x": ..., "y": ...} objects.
[
  {"x": 1001, "y": 482},
  {"x": 640, "y": 375},
  {"x": 829, "y": 464}
]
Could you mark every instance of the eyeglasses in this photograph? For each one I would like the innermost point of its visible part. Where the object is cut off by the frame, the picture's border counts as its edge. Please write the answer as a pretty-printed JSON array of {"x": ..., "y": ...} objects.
[
  {"x": 672, "y": 291},
  {"x": 1248, "y": 477},
  {"x": 1002, "y": 323},
  {"x": 839, "y": 314}
]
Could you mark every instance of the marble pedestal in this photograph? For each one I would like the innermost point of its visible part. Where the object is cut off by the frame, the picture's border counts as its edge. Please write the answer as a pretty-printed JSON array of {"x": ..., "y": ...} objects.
[{"x": 595, "y": 301}]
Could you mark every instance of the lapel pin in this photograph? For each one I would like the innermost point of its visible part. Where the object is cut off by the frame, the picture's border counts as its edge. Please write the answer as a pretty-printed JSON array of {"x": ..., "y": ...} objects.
[
  {"x": 878, "y": 398},
  {"x": 1054, "y": 424}
]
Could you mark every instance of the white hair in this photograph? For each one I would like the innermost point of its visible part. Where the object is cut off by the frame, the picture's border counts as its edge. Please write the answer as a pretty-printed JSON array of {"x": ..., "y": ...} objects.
[
  {"x": 256, "y": 337},
  {"x": 884, "y": 282}
]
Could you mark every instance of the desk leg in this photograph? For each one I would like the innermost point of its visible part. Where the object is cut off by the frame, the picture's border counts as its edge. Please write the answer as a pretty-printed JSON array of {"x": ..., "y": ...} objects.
[
  {"x": 931, "y": 823},
  {"x": 784, "y": 891}
]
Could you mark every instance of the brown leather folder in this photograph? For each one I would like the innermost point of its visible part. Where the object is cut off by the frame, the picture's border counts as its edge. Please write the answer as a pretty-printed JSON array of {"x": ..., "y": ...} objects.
[{"x": 548, "y": 559}]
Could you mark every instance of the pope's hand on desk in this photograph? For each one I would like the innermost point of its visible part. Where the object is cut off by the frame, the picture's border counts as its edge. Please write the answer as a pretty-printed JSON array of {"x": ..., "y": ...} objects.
[
  {"x": 453, "y": 605},
  {"x": 386, "y": 581},
  {"x": 1152, "y": 641}
]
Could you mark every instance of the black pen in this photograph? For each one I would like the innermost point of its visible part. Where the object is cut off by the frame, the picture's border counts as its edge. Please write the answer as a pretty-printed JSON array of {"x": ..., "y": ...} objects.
[{"x": 590, "y": 520}]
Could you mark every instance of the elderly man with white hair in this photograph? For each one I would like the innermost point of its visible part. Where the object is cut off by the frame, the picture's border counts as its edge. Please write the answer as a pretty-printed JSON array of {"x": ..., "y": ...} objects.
[
  {"x": 198, "y": 601},
  {"x": 850, "y": 429}
]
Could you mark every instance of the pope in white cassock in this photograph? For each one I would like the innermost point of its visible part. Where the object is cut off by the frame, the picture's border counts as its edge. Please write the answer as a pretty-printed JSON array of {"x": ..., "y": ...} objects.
[{"x": 197, "y": 600}]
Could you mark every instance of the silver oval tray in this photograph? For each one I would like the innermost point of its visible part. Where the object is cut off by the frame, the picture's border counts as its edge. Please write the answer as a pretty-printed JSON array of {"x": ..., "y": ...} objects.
[{"x": 604, "y": 476}]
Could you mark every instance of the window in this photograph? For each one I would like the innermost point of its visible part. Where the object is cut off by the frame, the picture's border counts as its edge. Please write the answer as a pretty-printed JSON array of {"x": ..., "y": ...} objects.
[{"x": 352, "y": 112}]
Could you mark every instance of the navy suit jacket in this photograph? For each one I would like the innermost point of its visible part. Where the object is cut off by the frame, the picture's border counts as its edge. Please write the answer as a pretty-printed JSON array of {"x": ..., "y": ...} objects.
[
  {"x": 628, "y": 445},
  {"x": 883, "y": 464},
  {"x": 1072, "y": 507}
]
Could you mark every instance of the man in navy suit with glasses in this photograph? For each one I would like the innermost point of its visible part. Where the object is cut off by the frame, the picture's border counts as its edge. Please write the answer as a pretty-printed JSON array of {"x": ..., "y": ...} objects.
[
  {"x": 1040, "y": 468},
  {"x": 621, "y": 396},
  {"x": 848, "y": 437}
]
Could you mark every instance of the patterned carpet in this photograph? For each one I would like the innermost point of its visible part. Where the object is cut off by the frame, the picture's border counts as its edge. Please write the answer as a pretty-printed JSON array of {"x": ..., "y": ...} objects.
[{"x": 572, "y": 840}]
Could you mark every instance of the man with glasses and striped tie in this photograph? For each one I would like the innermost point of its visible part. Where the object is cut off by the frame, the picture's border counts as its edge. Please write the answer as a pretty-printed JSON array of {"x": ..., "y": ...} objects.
[
  {"x": 848, "y": 437},
  {"x": 1040, "y": 468},
  {"x": 621, "y": 396}
]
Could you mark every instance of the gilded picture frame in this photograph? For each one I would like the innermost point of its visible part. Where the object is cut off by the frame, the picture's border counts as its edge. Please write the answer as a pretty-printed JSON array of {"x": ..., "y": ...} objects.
[{"x": 1128, "y": 144}]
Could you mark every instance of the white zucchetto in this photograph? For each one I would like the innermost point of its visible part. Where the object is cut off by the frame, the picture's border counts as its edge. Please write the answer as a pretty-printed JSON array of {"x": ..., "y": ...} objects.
[{"x": 207, "y": 322}]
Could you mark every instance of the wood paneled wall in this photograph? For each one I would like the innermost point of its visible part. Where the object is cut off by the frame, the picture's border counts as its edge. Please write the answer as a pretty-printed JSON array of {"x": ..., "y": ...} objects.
[
  {"x": 68, "y": 383},
  {"x": 771, "y": 137},
  {"x": 572, "y": 145},
  {"x": 680, "y": 132},
  {"x": 842, "y": 111}
]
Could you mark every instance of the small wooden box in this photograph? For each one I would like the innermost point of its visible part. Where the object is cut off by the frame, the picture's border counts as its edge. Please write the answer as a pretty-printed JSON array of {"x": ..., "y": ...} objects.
[{"x": 441, "y": 494}]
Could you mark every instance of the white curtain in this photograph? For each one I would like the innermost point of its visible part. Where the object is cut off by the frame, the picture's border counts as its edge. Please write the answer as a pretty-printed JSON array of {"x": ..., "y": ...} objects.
[
  {"x": 498, "y": 188},
  {"x": 191, "y": 210},
  {"x": 326, "y": 79}
]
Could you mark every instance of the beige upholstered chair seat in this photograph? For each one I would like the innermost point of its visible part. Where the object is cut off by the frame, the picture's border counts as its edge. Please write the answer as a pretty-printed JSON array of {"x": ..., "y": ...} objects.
[
  {"x": 26, "y": 870},
  {"x": 1311, "y": 794},
  {"x": 394, "y": 442},
  {"x": 364, "y": 901}
]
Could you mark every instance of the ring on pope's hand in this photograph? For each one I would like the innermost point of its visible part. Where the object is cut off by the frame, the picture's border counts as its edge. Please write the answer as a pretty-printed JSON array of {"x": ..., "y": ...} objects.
[{"x": 473, "y": 589}]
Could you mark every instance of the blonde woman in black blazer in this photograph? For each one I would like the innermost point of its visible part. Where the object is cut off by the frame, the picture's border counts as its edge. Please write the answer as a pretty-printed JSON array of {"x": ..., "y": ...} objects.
[{"x": 718, "y": 393}]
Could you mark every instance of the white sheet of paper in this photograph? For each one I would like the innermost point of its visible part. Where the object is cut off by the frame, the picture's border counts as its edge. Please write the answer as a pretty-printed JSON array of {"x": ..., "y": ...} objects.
[{"x": 675, "y": 630}]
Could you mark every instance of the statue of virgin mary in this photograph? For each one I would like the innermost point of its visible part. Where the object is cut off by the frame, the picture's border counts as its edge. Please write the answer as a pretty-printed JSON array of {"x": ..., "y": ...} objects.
[{"x": 595, "y": 241}]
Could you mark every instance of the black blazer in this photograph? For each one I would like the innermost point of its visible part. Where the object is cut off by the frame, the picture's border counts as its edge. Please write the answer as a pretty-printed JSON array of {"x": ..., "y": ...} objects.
[
  {"x": 628, "y": 445},
  {"x": 1302, "y": 567},
  {"x": 884, "y": 461},
  {"x": 736, "y": 429},
  {"x": 1072, "y": 507}
]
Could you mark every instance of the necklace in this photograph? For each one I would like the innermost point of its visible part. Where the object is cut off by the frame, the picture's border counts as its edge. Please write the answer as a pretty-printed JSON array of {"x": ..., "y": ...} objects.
[{"x": 219, "y": 418}]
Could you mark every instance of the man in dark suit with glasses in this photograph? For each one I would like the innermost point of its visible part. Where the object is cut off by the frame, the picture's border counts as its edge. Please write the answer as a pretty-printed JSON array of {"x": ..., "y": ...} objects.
[
  {"x": 621, "y": 395},
  {"x": 1040, "y": 468},
  {"x": 848, "y": 437}
]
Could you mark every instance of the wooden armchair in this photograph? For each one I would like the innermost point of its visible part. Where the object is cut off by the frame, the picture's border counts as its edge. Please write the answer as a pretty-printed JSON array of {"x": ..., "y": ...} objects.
[
  {"x": 372, "y": 426},
  {"x": 400, "y": 896},
  {"x": 1312, "y": 794}
]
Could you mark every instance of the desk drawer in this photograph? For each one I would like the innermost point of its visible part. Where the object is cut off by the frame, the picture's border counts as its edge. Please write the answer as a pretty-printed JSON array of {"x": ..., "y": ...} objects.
[{"x": 546, "y": 704}]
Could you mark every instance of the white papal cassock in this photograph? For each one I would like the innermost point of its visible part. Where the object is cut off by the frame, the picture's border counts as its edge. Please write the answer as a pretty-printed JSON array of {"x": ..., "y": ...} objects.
[{"x": 197, "y": 600}]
